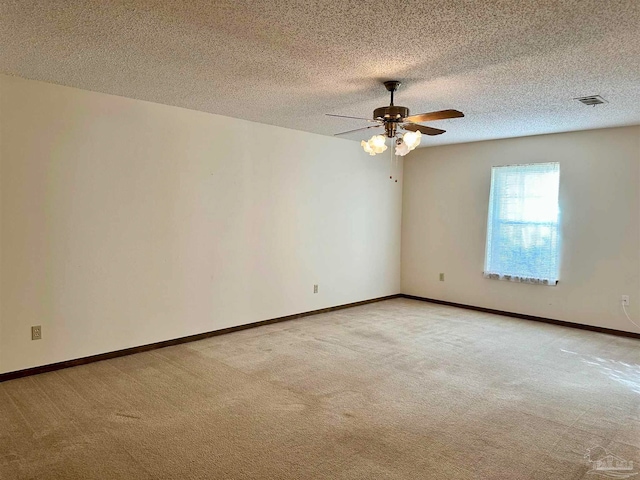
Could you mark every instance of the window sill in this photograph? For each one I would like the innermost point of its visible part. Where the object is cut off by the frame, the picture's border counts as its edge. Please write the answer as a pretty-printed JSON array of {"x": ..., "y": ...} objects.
[{"x": 519, "y": 279}]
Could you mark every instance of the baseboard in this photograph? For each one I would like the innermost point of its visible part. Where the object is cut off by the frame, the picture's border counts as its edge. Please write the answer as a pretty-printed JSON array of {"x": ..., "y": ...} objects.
[
  {"x": 192, "y": 338},
  {"x": 176, "y": 341},
  {"x": 609, "y": 331}
]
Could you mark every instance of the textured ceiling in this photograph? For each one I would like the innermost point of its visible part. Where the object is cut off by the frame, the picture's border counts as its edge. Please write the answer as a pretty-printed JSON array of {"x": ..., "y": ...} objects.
[{"x": 513, "y": 67}]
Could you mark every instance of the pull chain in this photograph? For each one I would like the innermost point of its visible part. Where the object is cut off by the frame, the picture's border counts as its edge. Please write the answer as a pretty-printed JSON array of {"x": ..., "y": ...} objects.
[
  {"x": 396, "y": 168},
  {"x": 391, "y": 166}
]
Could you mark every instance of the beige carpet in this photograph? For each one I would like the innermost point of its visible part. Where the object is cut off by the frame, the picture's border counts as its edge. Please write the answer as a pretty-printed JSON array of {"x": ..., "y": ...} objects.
[{"x": 399, "y": 389}]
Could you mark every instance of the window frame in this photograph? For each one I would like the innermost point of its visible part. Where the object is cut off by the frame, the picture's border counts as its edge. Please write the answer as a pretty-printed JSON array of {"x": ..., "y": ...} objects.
[{"x": 493, "y": 220}]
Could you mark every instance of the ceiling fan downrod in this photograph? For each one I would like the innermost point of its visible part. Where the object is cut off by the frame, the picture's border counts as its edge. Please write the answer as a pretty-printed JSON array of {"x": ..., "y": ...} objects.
[{"x": 392, "y": 86}]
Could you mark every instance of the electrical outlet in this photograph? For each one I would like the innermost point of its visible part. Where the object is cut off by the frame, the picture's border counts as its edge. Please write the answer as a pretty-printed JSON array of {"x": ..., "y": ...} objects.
[
  {"x": 315, "y": 289},
  {"x": 625, "y": 300},
  {"x": 36, "y": 332},
  {"x": 442, "y": 277}
]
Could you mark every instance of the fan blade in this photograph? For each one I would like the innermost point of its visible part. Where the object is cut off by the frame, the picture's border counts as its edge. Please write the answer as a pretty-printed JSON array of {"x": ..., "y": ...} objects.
[
  {"x": 354, "y": 118},
  {"x": 412, "y": 127},
  {"x": 357, "y": 130},
  {"x": 429, "y": 117}
]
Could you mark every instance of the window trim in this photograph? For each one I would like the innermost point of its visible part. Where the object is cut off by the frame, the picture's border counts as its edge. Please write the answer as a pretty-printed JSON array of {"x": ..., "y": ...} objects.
[{"x": 492, "y": 222}]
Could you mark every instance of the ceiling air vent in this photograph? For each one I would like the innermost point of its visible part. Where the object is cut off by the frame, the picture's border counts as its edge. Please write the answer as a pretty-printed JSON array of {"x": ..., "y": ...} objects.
[{"x": 592, "y": 100}]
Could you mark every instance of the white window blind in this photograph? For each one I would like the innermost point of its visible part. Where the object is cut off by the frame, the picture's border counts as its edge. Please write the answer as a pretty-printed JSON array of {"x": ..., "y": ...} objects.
[{"x": 522, "y": 228}]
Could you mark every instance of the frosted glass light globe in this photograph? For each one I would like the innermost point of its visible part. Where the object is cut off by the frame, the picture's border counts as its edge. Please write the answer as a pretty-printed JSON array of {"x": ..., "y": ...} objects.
[
  {"x": 367, "y": 148},
  {"x": 402, "y": 149},
  {"x": 412, "y": 139},
  {"x": 375, "y": 144}
]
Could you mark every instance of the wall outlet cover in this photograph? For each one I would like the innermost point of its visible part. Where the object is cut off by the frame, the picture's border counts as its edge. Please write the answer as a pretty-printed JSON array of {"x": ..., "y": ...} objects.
[{"x": 36, "y": 332}]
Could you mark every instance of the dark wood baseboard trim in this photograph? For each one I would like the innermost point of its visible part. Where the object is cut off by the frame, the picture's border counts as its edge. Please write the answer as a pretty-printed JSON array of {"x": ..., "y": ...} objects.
[
  {"x": 609, "y": 331},
  {"x": 176, "y": 341}
]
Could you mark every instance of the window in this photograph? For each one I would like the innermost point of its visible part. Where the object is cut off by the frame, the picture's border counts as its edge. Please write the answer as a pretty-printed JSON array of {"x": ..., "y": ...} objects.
[{"x": 522, "y": 228}]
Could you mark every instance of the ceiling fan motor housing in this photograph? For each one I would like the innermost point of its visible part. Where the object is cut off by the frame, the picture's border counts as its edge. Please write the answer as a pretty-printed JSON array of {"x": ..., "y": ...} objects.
[{"x": 391, "y": 113}]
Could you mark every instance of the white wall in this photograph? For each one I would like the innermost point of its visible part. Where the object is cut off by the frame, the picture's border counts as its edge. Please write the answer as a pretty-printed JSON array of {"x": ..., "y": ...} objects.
[
  {"x": 125, "y": 222},
  {"x": 446, "y": 195}
]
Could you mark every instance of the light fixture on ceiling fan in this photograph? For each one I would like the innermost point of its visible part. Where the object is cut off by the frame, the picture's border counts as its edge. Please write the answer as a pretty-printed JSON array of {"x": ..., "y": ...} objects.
[{"x": 399, "y": 124}]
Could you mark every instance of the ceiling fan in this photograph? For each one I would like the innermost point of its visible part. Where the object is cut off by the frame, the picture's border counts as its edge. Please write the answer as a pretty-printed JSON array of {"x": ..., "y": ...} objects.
[{"x": 399, "y": 124}]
